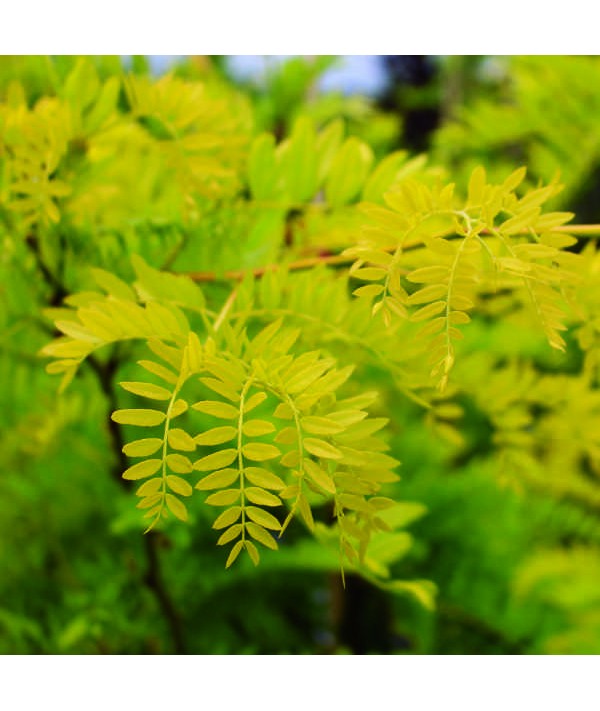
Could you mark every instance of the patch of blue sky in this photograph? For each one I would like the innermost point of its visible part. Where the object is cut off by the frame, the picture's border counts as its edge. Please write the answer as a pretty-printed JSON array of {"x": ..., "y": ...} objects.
[{"x": 363, "y": 74}]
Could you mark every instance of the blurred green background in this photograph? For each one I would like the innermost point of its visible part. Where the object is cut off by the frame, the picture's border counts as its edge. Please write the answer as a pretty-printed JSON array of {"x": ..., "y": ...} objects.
[{"x": 516, "y": 563}]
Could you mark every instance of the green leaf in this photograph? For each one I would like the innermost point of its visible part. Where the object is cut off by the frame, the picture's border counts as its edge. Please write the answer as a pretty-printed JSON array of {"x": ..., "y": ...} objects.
[
  {"x": 252, "y": 551},
  {"x": 288, "y": 435},
  {"x": 328, "y": 143},
  {"x": 179, "y": 485},
  {"x": 283, "y": 411},
  {"x": 300, "y": 381},
  {"x": 217, "y": 409},
  {"x": 369, "y": 291},
  {"x": 321, "y": 448},
  {"x": 319, "y": 476},
  {"x": 113, "y": 285},
  {"x": 519, "y": 222},
  {"x": 299, "y": 162},
  {"x": 428, "y": 311},
  {"x": 423, "y": 590},
  {"x": 261, "y": 535},
  {"x": 428, "y": 293},
  {"x": 348, "y": 172},
  {"x": 259, "y": 496},
  {"x": 264, "y": 518},
  {"x": 306, "y": 512},
  {"x": 290, "y": 459},
  {"x": 320, "y": 425},
  {"x": 254, "y": 401},
  {"x": 77, "y": 331},
  {"x": 193, "y": 353},
  {"x": 178, "y": 289},
  {"x": 176, "y": 507},
  {"x": 105, "y": 104},
  {"x": 259, "y": 452},
  {"x": 256, "y": 428},
  {"x": 235, "y": 551},
  {"x": 428, "y": 275},
  {"x": 217, "y": 460},
  {"x": 384, "y": 176},
  {"x": 223, "y": 498},
  {"x": 264, "y": 478},
  {"x": 81, "y": 85},
  {"x": 228, "y": 517},
  {"x": 67, "y": 348},
  {"x": 149, "y": 501},
  {"x": 178, "y": 408},
  {"x": 154, "y": 392},
  {"x": 181, "y": 440},
  {"x": 218, "y": 479},
  {"x": 476, "y": 186},
  {"x": 142, "y": 418},
  {"x": 262, "y": 167},
  {"x": 144, "y": 469},
  {"x": 369, "y": 273},
  {"x": 157, "y": 369},
  {"x": 403, "y": 513},
  {"x": 514, "y": 179},
  {"x": 217, "y": 435},
  {"x": 150, "y": 487},
  {"x": 221, "y": 388},
  {"x": 230, "y": 534},
  {"x": 143, "y": 447},
  {"x": 172, "y": 356},
  {"x": 179, "y": 464}
]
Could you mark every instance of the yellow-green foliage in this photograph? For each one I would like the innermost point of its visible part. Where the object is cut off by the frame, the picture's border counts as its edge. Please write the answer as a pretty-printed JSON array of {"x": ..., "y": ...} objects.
[
  {"x": 493, "y": 240},
  {"x": 244, "y": 392}
]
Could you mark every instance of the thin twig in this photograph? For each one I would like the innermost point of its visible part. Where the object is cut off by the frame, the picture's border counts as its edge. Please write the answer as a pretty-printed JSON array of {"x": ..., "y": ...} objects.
[
  {"x": 59, "y": 290},
  {"x": 225, "y": 310},
  {"x": 153, "y": 576},
  {"x": 340, "y": 259}
]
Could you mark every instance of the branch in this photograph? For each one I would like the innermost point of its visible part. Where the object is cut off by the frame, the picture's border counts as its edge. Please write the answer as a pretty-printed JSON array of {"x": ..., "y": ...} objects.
[
  {"x": 338, "y": 259},
  {"x": 239, "y": 274},
  {"x": 58, "y": 289},
  {"x": 153, "y": 576}
]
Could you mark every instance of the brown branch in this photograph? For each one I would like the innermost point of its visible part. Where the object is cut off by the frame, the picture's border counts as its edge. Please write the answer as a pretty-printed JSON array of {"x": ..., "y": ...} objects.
[
  {"x": 154, "y": 580},
  {"x": 152, "y": 541},
  {"x": 580, "y": 230},
  {"x": 339, "y": 259},
  {"x": 239, "y": 274}
]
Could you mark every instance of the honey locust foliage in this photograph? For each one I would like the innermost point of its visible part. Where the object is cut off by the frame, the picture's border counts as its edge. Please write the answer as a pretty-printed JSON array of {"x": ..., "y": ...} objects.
[
  {"x": 491, "y": 240},
  {"x": 246, "y": 286},
  {"x": 308, "y": 446}
]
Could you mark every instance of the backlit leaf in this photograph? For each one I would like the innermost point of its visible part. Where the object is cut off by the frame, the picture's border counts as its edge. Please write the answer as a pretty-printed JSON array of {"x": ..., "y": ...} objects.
[
  {"x": 216, "y": 409},
  {"x": 259, "y": 452},
  {"x": 321, "y": 448},
  {"x": 235, "y": 551},
  {"x": 261, "y": 535},
  {"x": 228, "y": 517},
  {"x": 217, "y": 435},
  {"x": 144, "y": 469},
  {"x": 142, "y": 418},
  {"x": 143, "y": 447},
  {"x": 148, "y": 390},
  {"x": 179, "y": 485},
  {"x": 217, "y": 460},
  {"x": 223, "y": 498},
  {"x": 218, "y": 479},
  {"x": 264, "y": 518}
]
